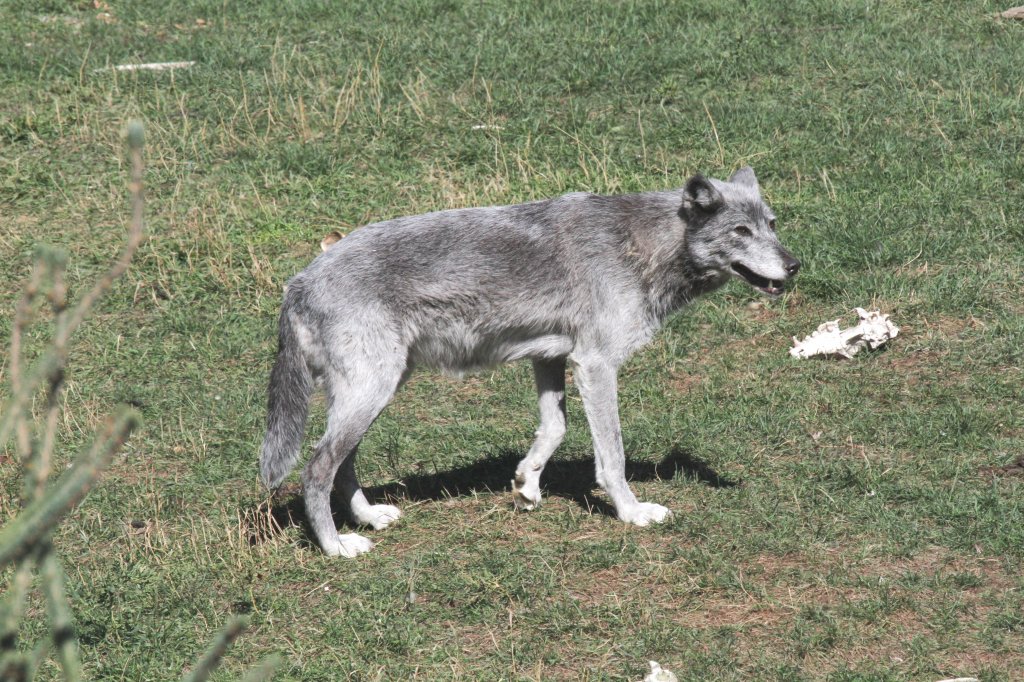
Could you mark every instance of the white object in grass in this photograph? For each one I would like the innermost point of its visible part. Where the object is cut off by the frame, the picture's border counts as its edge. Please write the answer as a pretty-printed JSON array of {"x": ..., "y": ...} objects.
[
  {"x": 154, "y": 66},
  {"x": 659, "y": 674},
  {"x": 829, "y": 339}
]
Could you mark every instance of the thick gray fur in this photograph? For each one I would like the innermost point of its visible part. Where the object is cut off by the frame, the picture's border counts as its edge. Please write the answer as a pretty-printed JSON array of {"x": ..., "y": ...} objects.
[{"x": 580, "y": 278}]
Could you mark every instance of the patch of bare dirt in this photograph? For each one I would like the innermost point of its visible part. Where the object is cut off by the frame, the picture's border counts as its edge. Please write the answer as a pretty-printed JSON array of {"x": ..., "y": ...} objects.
[
  {"x": 948, "y": 325},
  {"x": 939, "y": 561},
  {"x": 1015, "y": 468},
  {"x": 683, "y": 382}
]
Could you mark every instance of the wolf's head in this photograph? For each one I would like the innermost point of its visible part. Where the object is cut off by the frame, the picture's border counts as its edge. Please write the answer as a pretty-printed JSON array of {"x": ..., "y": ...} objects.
[{"x": 730, "y": 230}]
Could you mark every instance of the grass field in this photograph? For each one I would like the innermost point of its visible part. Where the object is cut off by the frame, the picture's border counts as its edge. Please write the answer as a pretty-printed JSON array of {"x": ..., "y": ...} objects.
[{"x": 833, "y": 520}]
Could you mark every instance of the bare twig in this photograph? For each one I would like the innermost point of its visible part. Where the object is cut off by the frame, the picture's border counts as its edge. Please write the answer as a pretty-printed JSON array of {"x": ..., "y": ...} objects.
[
  {"x": 44, "y": 454},
  {"x": 13, "y": 608},
  {"x": 61, "y": 625},
  {"x": 22, "y": 318},
  {"x": 714, "y": 129},
  {"x": 12, "y": 412},
  {"x": 264, "y": 671},
  {"x": 216, "y": 651},
  {"x": 33, "y": 525},
  {"x": 135, "y": 234}
]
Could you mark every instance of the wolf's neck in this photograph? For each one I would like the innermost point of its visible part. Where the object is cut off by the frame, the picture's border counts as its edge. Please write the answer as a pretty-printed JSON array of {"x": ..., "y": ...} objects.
[
  {"x": 676, "y": 283},
  {"x": 670, "y": 277}
]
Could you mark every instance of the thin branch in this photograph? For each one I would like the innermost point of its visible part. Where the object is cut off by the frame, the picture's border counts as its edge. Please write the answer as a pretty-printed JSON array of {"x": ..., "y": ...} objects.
[
  {"x": 61, "y": 623},
  {"x": 135, "y": 235},
  {"x": 15, "y": 667},
  {"x": 22, "y": 318},
  {"x": 45, "y": 446},
  {"x": 264, "y": 671},
  {"x": 13, "y": 607},
  {"x": 39, "y": 656},
  {"x": 20, "y": 536},
  {"x": 215, "y": 653},
  {"x": 11, "y": 412}
]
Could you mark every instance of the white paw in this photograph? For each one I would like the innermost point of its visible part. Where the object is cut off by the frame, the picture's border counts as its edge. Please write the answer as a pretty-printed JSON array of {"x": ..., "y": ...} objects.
[
  {"x": 527, "y": 497},
  {"x": 349, "y": 545},
  {"x": 378, "y": 516},
  {"x": 643, "y": 513}
]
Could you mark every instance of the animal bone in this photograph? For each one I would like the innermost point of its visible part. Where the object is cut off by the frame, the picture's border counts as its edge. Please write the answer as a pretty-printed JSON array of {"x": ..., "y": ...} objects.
[
  {"x": 659, "y": 674},
  {"x": 829, "y": 339}
]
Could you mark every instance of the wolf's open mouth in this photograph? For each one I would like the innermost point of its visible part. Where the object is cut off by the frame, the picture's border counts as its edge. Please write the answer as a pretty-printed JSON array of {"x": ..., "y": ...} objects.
[{"x": 762, "y": 284}]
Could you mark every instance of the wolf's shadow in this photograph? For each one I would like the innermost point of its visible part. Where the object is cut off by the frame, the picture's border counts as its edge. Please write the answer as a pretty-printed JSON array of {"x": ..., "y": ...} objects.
[{"x": 570, "y": 479}]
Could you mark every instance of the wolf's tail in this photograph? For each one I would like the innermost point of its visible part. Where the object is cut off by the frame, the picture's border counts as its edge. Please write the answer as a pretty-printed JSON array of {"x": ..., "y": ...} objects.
[{"x": 291, "y": 384}]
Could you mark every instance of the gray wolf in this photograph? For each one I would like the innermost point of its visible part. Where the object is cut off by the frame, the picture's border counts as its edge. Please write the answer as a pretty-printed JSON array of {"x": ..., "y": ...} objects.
[{"x": 581, "y": 278}]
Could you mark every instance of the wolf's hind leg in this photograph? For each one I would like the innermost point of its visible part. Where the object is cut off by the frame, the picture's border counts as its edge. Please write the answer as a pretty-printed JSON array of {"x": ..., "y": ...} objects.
[
  {"x": 377, "y": 516},
  {"x": 353, "y": 401},
  {"x": 351, "y": 545},
  {"x": 550, "y": 378}
]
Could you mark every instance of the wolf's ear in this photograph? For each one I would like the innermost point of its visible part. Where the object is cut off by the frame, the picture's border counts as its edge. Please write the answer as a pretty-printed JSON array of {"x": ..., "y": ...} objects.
[
  {"x": 699, "y": 194},
  {"x": 745, "y": 176}
]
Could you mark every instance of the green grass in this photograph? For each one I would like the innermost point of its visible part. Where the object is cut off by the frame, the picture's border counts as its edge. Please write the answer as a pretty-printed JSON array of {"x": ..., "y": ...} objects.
[{"x": 834, "y": 520}]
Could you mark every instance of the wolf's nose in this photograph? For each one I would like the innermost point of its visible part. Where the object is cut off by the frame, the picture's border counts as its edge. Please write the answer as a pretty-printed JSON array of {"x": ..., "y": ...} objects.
[{"x": 792, "y": 265}]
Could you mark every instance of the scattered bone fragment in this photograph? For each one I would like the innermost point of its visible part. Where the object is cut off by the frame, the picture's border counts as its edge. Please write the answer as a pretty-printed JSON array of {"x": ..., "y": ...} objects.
[
  {"x": 1013, "y": 13},
  {"x": 659, "y": 674}
]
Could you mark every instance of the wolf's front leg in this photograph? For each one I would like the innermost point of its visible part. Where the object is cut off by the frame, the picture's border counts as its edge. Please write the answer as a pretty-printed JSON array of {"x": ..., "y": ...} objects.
[{"x": 598, "y": 386}]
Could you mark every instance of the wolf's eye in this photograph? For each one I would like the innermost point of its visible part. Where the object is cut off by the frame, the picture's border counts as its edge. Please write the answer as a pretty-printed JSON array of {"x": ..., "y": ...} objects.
[
  {"x": 743, "y": 231},
  {"x": 771, "y": 224}
]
